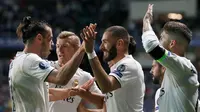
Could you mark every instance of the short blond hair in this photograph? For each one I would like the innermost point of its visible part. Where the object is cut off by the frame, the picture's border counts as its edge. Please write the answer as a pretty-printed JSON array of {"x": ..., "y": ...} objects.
[
  {"x": 66, "y": 34},
  {"x": 70, "y": 35}
]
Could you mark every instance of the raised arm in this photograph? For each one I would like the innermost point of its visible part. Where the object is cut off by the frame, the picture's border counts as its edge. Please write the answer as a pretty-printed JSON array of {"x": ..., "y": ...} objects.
[
  {"x": 153, "y": 47},
  {"x": 106, "y": 83},
  {"x": 63, "y": 75}
]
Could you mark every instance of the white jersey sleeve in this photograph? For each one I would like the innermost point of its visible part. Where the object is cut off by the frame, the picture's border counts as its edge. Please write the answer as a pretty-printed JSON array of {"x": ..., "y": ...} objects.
[
  {"x": 168, "y": 59},
  {"x": 36, "y": 67},
  {"x": 123, "y": 74}
]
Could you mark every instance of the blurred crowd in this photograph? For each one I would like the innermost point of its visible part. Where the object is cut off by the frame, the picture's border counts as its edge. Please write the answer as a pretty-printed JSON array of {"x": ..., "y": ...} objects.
[{"x": 73, "y": 15}]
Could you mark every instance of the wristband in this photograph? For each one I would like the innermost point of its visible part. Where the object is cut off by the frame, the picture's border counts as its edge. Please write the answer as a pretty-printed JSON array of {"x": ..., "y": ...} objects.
[{"x": 91, "y": 55}]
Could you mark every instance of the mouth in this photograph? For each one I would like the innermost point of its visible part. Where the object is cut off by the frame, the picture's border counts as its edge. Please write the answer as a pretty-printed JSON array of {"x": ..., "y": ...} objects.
[{"x": 60, "y": 56}]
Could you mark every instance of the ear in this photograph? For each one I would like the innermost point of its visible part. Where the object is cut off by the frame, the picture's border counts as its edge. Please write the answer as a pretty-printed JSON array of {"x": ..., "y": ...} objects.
[
  {"x": 163, "y": 69},
  {"x": 39, "y": 38},
  {"x": 172, "y": 44},
  {"x": 119, "y": 43}
]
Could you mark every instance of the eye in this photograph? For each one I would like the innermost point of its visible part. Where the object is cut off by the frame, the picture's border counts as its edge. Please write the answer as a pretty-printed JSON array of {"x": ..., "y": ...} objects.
[{"x": 57, "y": 45}]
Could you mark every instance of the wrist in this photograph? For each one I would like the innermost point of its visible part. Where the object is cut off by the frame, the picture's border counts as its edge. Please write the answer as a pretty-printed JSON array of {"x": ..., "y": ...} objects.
[{"x": 91, "y": 55}]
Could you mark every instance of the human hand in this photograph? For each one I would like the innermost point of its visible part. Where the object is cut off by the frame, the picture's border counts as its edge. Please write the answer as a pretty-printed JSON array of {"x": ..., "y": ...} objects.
[
  {"x": 148, "y": 18},
  {"x": 89, "y": 35},
  {"x": 83, "y": 88}
]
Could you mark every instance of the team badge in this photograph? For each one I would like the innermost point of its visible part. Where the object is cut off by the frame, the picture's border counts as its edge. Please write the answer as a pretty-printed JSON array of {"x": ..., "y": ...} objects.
[
  {"x": 43, "y": 65},
  {"x": 75, "y": 83},
  {"x": 121, "y": 68}
]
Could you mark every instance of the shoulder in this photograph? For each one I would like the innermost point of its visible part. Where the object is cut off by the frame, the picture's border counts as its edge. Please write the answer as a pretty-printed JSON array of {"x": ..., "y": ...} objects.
[
  {"x": 32, "y": 57},
  {"x": 33, "y": 60},
  {"x": 129, "y": 63}
]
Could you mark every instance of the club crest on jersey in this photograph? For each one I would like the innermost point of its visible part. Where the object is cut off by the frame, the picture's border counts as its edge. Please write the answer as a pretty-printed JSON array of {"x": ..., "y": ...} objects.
[
  {"x": 43, "y": 65},
  {"x": 75, "y": 83}
]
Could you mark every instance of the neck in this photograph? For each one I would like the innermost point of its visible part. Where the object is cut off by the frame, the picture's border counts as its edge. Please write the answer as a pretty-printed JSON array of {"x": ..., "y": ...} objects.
[
  {"x": 179, "y": 53},
  {"x": 161, "y": 79},
  {"x": 116, "y": 59},
  {"x": 30, "y": 49}
]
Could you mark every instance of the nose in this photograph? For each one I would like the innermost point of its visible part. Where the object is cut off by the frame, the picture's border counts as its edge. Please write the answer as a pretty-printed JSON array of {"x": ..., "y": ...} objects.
[
  {"x": 52, "y": 44},
  {"x": 101, "y": 47},
  {"x": 60, "y": 49},
  {"x": 151, "y": 71}
]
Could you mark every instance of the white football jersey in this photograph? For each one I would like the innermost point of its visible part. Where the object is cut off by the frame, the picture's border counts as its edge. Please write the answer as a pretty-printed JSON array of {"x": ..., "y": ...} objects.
[
  {"x": 156, "y": 108},
  {"x": 179, "y": 89},
  {"x": 28, "y": 89},
  {"x": 128, "y": 98},
  {"x": 70, "y": 104}
]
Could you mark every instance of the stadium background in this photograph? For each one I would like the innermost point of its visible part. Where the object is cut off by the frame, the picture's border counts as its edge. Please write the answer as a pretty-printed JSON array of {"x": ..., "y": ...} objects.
[{"x": 73, "y": 15}]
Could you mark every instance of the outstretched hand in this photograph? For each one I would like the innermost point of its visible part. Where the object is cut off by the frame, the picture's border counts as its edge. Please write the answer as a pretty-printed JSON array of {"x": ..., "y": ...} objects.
[
  {"x": 83, "y": 88},
  {"x": 148, "y": 18},
  {"x": 89, "y": 35}
]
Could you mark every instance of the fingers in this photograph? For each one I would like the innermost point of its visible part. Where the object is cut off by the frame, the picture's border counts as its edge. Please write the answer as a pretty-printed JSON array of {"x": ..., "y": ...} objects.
[
  {"x": 88, "y": 84},
  {"x": 150, "y": 9},
  {"x": 83, "y": 37},
  {"x": 89, "y": 32},
  {"x": 85, "y": 32},
  {"x": 93, "y": 26},
  {"x": 149, "y": 14},
  {"x": 76, "y": 91}
]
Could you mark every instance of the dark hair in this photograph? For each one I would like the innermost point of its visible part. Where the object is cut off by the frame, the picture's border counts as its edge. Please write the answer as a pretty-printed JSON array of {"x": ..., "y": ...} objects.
[
  {"x": 178, "y": 29},
  {"x": 120, "y": 32},
  {"x": 132, "y": 46},
  {"x": 29, "y": 28}
]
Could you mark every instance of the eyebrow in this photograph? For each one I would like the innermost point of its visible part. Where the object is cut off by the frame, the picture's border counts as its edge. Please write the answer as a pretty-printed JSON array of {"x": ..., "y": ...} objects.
[{"x": 104, "y": 40}]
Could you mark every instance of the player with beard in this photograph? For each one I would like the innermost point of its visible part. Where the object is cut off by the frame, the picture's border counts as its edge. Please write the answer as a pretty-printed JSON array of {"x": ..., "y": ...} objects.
[
  {"x": 29, "y": 72},
  {"x": 157, "y": 71},
  {"x": 124, "y": 85}
]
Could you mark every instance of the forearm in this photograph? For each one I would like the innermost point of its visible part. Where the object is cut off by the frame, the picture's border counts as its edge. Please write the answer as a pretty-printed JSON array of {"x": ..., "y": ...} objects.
[
  {"x": 94, "y": 98},
  {"x": 100, "y": 74},
  {"x": 69, "y": 69},
  {"x": 149, "y": 39},
  {"x": 147, "y": 26},
  {"x": 58, "y": 94}
]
